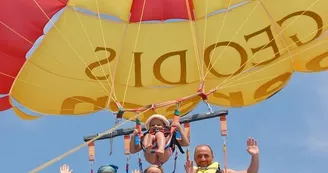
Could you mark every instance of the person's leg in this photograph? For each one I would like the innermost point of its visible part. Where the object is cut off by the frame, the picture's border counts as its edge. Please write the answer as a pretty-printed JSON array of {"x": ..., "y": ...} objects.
[
  {"x": 160, "y": 140},
  {"x": 147, "y": 142}
]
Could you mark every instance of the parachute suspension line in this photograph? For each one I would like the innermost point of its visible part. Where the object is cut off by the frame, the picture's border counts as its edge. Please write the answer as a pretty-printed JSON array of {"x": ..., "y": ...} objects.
[
  {"x": 91, "y": 152},
  {"x": 194, "y": 39},
  {"x": 287, "y": 48},
  {"x": 92, "y": 46},
  {"x": 217, "y": 39},
  {"x": 106, "y": 52},
  {"x": 134, "y": 49},
  {"x": 237, "y": 32},
  {"x": 278, "y": 30},
  {"x": 204, "y": 38},
  {"x": 224, "y": 134},
  {"x": 15, "y": 79},
  {"x": 116, "y": 63},
  {"x": 204, "y": 96},
  {"x": 84, "y": 144},
  {"x": 69, "y": 44}
]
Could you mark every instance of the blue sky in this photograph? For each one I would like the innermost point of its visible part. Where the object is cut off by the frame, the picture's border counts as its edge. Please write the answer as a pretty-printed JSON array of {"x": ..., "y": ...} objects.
[{"x": 291, "y": 128}]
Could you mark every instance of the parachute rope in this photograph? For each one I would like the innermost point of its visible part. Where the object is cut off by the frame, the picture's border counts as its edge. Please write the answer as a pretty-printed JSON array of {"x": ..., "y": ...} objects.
[
  {"x": 83, "y": 145},
  {"x": 194, "y": 40},
  {"x": 11, "y": 29},
  {"x": 116, "y": 64},
  {"x": 233, "y": 77},
  {"x": 278, "y": 30},
  {"x": 228, "y": 84},
  {"x": 103, "y": 37},
  {"x": 204, "y": 38},
  {"x": 118, "y": 55},
  {"x": 69, "y": 44},
  {"x": 134, "y": 49},
  {"x": 93, "y": 48},
  {"x": 221, "y": 84},
  {"x": 217, "y": 39},
  {"x": 21, "y": 80}
]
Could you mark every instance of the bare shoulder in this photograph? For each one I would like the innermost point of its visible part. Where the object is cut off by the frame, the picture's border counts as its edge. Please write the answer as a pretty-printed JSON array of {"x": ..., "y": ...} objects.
[{"x": 233, "y": 171}]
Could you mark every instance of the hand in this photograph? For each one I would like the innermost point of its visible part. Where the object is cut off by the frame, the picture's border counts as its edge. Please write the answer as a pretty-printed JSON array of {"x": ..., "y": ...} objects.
[
  {"x": 135, "y": 132},
  {"x": 252, "y": 147},
  {"x": 176, "y": 124},
  {"x": 189, "y": 167},
  {"x": 65, "y": 169},
  {"x": 136, "y": 171}
]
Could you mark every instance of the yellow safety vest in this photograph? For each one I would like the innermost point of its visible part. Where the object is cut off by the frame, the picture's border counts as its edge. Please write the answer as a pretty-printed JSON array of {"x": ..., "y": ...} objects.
[{"x": 213, "y": 168}]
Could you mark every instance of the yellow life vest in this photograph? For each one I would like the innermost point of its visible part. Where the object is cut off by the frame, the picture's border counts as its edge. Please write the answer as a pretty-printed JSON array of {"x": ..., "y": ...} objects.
[{"x": 212, "y": 168}]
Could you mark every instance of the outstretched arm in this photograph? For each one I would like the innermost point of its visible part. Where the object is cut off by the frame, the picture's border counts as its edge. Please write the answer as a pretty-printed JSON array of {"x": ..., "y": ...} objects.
[
  {"x": 133, "y": 147},
  {"x": 184, "y": 139},
  {"x": 253, "y": 150}
]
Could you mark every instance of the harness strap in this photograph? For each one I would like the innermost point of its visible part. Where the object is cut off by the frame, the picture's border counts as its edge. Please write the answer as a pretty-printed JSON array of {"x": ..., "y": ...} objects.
[{"x": 176, "y": 142}]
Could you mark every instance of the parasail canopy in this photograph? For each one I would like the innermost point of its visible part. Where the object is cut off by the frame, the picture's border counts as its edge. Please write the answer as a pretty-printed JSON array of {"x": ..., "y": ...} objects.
[{"x": 138, "y": 54}]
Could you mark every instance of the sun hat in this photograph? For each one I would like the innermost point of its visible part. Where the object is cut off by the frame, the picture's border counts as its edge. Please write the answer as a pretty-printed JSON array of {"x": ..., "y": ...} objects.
[{"x": 161, "y": 117}]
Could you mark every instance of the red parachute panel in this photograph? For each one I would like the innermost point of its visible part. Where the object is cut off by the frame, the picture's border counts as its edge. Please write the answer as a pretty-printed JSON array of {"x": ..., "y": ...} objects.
[
  {"x": 4, "y": 103},
  {"x": 22, "y": 18},
  {"x": 9, "y": 68},
  {"x": 160, "y": 10},
  {"x": 21, "y": 24}
]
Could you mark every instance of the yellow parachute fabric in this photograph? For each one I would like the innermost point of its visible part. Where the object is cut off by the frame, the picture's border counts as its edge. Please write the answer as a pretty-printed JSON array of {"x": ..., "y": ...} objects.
[{"x": 247, "y": 53}]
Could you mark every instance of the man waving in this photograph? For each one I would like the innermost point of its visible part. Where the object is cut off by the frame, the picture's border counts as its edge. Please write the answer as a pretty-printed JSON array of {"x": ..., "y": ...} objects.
[{"x": 203, "y": 157}]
